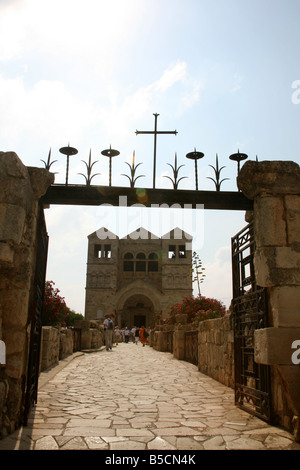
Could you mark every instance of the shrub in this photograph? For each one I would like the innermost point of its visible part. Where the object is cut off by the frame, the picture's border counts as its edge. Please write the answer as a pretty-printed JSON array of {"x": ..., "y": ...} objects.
[
  {"x": 71, "y": 317},
  {"x": 197, "y": 309},
  {"x": 55, "y": 309}
]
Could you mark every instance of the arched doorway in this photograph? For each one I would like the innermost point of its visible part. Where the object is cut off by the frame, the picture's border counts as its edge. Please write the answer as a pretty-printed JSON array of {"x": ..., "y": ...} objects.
[{"x": 137, "y": 311}]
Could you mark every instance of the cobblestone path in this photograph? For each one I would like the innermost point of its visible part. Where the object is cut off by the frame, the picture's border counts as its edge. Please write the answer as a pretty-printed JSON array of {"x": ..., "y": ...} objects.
[{"x": 136, "y": 398}]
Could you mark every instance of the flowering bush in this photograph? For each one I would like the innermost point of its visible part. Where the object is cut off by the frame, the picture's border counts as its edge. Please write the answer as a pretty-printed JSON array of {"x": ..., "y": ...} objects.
[
  {"x": 197, "y": 309},
  {"x": 55, "y": 308}
]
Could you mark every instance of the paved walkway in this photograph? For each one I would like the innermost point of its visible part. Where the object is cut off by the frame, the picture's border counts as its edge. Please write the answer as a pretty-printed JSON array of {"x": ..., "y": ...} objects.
[{"x": 136, "y": 398}]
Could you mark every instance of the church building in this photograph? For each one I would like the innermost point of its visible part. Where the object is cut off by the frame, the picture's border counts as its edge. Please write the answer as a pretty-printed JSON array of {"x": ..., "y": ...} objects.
[{"x": 138, "y": 276}]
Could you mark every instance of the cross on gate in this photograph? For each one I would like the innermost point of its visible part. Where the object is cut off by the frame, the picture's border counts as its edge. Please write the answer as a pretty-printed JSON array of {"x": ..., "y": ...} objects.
[{"x": 155, "y": 132}]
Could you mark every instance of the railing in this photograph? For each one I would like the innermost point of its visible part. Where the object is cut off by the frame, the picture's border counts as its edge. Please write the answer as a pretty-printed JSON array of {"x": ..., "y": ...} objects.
[{"x": 191, "y": 347}]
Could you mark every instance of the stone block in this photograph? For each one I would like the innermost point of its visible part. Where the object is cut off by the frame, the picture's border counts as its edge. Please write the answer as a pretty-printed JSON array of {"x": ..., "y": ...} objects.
[
  {"x": 15, "y": 340},
  {"x": 15, "y": 366},
  {"x": 15, "y": 308},
  {"x": 292, "y": 205},
  {"x": 273, "y": 177},
  {"x": 273, "y": 346},
  {"x": 86, "y": 339},
  {"x": 12, "y": 219},
  {"x": 82, "y": 324},
  {"x": 6, "y": 253},
  {"x": 179, "y": 344},
  {"x": 269, "y": 221},
  {"x": 285, "y": 306},
  {"x": 272, "y": 270},
  {"x": 287, "y": 258}
]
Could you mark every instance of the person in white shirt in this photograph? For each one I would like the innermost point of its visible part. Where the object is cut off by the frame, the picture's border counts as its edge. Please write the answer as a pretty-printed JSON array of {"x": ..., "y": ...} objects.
[
  {"x": 108, "y": 331},
  {"x": 117, "y": 335},
  {"x": 127, "y": 334},
  {"x": 133, "y": 333}
]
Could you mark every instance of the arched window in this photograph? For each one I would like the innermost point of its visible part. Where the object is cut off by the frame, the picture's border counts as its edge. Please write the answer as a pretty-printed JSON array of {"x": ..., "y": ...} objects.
[
  {"x": 153, "y": 263},
  {"x": 140, "y": 265},
  {"x": 128, "y": 262}
]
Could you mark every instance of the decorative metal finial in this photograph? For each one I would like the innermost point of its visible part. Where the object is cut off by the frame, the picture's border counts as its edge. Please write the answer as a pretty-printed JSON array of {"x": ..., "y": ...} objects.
[
  {"x": 175, "y": 169},
  {"x": 89, "y": 167},
  {"x": 68, "y": 151},
  {"x": 133, "y": 168},
  {"x": 110, "y": 153},
  {"x": 48, "y": 164},
  {"x": 217, "y": 174},
  {"x": 238, "y": 157},
  {"x": 195, "y": 156},
  {"x": 155, "y": 133}
]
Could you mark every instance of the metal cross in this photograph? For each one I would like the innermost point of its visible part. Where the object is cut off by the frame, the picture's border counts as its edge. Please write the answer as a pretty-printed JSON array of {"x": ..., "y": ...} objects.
[{"x": 155, "y": 132}]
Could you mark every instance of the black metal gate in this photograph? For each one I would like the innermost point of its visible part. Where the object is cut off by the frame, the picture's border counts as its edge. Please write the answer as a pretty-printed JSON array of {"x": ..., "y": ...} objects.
[
  {"x": 36, "y": 307},
  {"x": 250, "y": 309}
]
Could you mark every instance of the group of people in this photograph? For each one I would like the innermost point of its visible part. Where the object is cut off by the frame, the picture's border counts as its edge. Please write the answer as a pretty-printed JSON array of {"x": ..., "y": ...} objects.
[
  {"x": 114, "y": 334},
  {"x": 133, "y": 335}
]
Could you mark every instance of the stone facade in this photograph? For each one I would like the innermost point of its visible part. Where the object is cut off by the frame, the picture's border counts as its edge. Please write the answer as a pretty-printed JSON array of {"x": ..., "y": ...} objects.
[
  {"x": 138, "y": 276},
  {"x": 20, "y": 190},
  {"x": 275, "y": 189}
]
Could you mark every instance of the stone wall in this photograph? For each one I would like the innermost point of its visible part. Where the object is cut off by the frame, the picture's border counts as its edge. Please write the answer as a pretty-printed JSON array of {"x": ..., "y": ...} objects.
[
  {"x": 20, "y": 190},
  {"x": 216, "y": 349},
  {"x": 58, "y": 343},
  {"x": 50, "y": 343},
  {"x": 275, "y": 189},
  {"x": 215, "y": 345}
]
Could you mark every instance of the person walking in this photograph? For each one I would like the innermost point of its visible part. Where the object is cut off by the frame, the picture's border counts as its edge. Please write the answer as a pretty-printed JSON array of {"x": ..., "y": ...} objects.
[
  {"x": 143, "y": 335},
  {"x": 108, "y": 331},
  {"x": 127, "y": 334},
  {"x": 137, "y": 335},
  {"x": 133, "y": 333},
  {"x": 117, "y": 335}
]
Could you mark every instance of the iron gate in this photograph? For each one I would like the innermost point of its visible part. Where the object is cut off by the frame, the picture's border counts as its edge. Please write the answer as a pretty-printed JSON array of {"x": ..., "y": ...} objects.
[
  {"x": 250, "y": 308},
  {"x": 36, "y": 307}
]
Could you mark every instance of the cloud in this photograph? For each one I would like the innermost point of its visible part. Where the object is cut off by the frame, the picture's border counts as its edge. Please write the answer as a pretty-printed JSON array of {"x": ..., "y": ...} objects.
[
  {"x": 175, "y": 86},
  {"x": 47, "y": 110},
  {"x": 237, "y": 81},
  {"x": 173, "y": 74},
  {"x": 69, "y": 29}
]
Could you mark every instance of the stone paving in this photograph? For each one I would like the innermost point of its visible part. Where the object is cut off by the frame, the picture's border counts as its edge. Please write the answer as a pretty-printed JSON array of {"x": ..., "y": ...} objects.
[{"x": 136, "y": 398}]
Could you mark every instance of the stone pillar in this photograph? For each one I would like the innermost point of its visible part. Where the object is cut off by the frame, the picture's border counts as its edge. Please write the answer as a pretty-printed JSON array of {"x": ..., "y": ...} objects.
[
  {"x": 179, "y": 342},
  {"x": 86, "y": 334},
  {"x": 20, "y": 190},
  {"x": 275, "y": 189}
]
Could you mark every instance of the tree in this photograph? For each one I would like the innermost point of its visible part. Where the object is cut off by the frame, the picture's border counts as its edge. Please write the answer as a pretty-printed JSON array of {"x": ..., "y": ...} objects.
[
  {"x": 197, "y": 271},
  {"x": 72, "y": 316}
]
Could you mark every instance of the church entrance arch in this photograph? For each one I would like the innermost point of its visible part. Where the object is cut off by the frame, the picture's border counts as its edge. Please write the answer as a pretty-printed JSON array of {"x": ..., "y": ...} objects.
[
  {"x": 137, "y": 305},
  {"x": 138, "y": 310}
]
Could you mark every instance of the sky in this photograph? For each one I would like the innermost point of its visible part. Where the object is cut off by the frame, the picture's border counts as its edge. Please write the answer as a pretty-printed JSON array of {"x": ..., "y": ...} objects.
[{"x": 223, "y": 73}]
